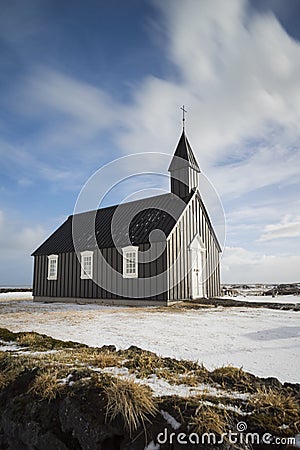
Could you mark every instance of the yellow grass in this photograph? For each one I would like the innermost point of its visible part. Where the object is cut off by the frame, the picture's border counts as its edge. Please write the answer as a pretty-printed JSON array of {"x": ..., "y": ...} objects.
[
  {"x": 282, "y": 407},
  {"x": 132, "y": 401},
  {"x": 47, "y": 385},
  {"x": 208, "y": 419}
]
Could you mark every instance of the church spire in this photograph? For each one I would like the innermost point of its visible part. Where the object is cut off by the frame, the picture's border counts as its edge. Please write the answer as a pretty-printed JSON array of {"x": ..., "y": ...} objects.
[
  {"x": 185, "y": 153},
  {"x": 184, "y": 169}
]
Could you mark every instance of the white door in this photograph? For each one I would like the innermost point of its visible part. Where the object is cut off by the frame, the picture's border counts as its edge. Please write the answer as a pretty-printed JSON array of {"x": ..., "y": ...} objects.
[
  {"x": 197, "y": 274},
  {"x": 197, "y": 267}
]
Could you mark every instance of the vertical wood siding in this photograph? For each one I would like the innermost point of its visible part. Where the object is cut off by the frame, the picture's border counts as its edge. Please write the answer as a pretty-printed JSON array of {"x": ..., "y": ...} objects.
[
  {"x": 69, "y": 284},
  {"x": 193, "y": 221}
]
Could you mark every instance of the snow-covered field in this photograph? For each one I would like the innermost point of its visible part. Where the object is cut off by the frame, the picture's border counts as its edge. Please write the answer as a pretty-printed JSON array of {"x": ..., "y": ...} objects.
[
  {"x": 15, "y": 296},
  {"x": 263, "y": 341}
]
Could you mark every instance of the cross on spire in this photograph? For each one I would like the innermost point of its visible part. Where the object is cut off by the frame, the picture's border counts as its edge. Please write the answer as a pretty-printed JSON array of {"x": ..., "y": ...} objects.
[{"x": 183, "y": 115}]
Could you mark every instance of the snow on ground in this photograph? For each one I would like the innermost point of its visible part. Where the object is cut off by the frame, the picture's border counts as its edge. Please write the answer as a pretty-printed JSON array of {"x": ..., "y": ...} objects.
[
  {"x": 161, "y": 387},
  {"x": 170, "y": 420},
  {"x": 266, "y": 298},
  {"x": 8, "y": 346},
  {"x": 152, "y": 446},
  {"x": 15, "y": 296},
  {"x": 263, "y": 341}
]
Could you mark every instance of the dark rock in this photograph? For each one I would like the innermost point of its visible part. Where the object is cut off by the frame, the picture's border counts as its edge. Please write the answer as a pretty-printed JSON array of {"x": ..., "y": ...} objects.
[
  {"x": 134, "y": 348},
  {"x": 48, "y": 440},
  {"x": 272, "y": 382}
]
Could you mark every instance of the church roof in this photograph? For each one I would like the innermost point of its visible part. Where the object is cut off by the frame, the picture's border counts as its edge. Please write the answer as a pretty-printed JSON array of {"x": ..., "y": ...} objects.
[
  {"x": 114, "y": 225},
  {"x": 185, "y": 152}
]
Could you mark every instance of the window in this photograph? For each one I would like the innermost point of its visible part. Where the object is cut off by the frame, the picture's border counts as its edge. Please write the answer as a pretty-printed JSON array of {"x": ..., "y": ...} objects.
[
  {"x": 52, "y": 267},
  {"x": 86, "y": 264},
  {"x": 130, "y": 262}
]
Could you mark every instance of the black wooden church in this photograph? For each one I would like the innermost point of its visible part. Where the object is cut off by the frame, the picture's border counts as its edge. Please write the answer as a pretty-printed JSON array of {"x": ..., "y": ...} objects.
[{"x": 157, "y": 250}]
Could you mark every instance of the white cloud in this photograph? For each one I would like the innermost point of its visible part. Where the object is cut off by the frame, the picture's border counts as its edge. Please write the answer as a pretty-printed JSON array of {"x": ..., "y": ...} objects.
[
  {"x": 238, "y": 76},
  {"x": 73, "y": 108},
  {"x": 243, "y": 266},
  {"x": 17, "y": 242},
  {"x": 69, "y": 117},
  {"x": 272, "y": 165},
  {"x": 153, "y": 121},
  {"x": 287, "y": 228},
  {"x": 25, "y": 182},
  {"x": 26, "y": 165},
  {"x": 17, "y": 237}
]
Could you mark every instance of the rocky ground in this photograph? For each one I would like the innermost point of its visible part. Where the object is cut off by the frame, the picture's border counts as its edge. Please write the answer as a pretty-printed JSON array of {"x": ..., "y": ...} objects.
[
  {"x": 231, "y": 302},
  {"x": 58, "y": 395}
]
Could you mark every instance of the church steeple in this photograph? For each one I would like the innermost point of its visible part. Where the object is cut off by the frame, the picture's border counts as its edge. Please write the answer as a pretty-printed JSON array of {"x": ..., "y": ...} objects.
[{"x": 184, "y": 169}]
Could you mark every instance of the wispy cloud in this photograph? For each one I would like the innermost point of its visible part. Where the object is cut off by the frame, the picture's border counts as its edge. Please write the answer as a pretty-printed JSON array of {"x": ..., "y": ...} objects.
[
  {"x": 49, "y": 92},
  {"x": 237, "y": 72},
  {"x": 288, "y": 228},
  {"x": 19, "y": 237},
  {"x": 17, "y": 241}
]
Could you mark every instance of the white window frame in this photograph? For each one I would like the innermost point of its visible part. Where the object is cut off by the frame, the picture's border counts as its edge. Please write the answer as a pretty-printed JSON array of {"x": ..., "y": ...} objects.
[
  {"x": 127, "y": 273},
  {"x": 84, "y": 275},
  {"x": 52, "y": 258}
]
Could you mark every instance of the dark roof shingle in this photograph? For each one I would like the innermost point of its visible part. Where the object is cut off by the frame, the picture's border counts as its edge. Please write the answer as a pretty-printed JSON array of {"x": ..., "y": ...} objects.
[{"x": 131, "y": 222}]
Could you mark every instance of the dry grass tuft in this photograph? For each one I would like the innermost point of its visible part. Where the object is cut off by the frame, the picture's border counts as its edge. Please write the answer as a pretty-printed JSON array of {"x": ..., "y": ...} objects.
[
  {"x": 144, "y": 363},
  {"x": 5, "y": 358},
  {"x": 233, "y": 377},
  {"x": 132, "y": 401},
  {"x": 11, "y": 367},
  {"x": 30, "y": 340},
  {"x": 274, "y": 400},
  {"x": 190, "y": 378},
  {"x": 47, "y": 385},
  {"x": 104, "y": 359},
  {"x": 37, "y": 341},
  {"x": 282, "y": 407},
  {"x": 208, "y": 419},
  {"x": 3, "y": 380},
  {"x": 98, "y": 358},
  {"x": 81, "y": 357}
]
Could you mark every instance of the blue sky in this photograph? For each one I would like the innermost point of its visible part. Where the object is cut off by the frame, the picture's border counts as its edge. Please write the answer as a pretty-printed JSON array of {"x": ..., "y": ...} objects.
[{"x": 85, "y": 82}]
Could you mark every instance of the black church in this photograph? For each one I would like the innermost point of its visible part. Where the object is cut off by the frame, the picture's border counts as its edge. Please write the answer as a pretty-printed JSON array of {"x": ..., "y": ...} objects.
[{"x": 154, "y": 251}]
